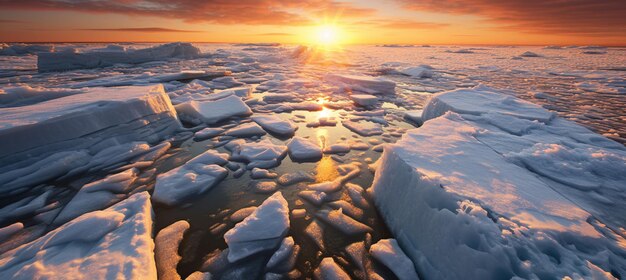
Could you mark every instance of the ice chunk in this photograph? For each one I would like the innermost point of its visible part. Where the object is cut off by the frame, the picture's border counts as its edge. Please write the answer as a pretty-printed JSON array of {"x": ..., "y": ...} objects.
[
  {"x": 259, "y": 152},
  {"x": 263, "y": 230},
  {"x": 113, "y": 243},
  {"x": 245, "y": 131},
  {"x": 212, "y": 111},
  {"x": 258, "y": 173},
  {"x": 422, "y": 71},
  {"x": 207, "y": 133},
  {"x": 363, "y": 128},
  {"x": 24, "y": 207},
  {"x": 481, "y": 100},
  {"x": 356, "y": 252},
  {"x": 69, "y": 60},
  {"x": 294, "y": 178},
  {"x": 342, "y": 222},
  {"x": 284, "y": 259},
  {"x": 276, "y": 125},
  {"x": 329, "y": 269},
  {"x": 195, "y": 177},
  {"x": 264, "y": 186},
  {"x": 26, "y": 95},
  {"x": 367, "y": 84},
  {"x": 98, "y": 195},
  {"x": 364, "y": 99},
  {"x": 529, "y": 54},
  {"x": 24, "y": 49},
  {"x": 315, "y": 231},
  {"x": 166, "y": 249},
  {"x": 414, "y": 117},
  {"x": 302, "y": 149},
  {"x": 339, "y": 148},
  {"x": 389, "y": 253},
  {"x": 242, "y": 213},
  {"x": 538, "y": 192},
  {"x": 92, "y": 120}
]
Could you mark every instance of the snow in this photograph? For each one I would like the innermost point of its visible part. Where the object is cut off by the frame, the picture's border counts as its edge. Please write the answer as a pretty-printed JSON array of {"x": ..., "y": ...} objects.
[
  {"x": 389, "y": 253},
  {"x": 166, "y": 254},
  {"x": 71, "y": 59},
  {"x": 245, "y": 130},
  {"x": 193, "y": 178},
  {"x": 83, "y": 121},
  {"x": 112, "y": 243},
  {"x": 302, "y": 149},
  {"x": 330, "y": 270},
  {"x": 502, "y": 175},
  {"x": 367, "y": 84},
  {"x": 364, "y": 99},
  {"x": 212, "y": 111},
  {"x": 263, "y": 230},
  {"x": 276, "y": 125}
]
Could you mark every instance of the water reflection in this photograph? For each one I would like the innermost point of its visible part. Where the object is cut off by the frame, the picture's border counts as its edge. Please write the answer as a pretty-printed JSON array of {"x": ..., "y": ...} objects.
[{"x": 326, "y": 170}]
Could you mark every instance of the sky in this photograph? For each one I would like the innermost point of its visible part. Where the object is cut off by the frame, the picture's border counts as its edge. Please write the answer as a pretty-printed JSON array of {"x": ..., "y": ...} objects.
[{"x": 528, "y": 22}]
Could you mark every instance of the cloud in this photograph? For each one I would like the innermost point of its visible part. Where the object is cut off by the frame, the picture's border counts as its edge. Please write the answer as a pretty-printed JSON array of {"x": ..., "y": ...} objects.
[
  {"x": 571, "y": 17},
  {"x": 11, "y": 21},
  {"x": 405, "y": 24},
  {"x": 140, "y": 29},
  {"x": 253, "y": 12},
  {"x": 275, "y": 34}
]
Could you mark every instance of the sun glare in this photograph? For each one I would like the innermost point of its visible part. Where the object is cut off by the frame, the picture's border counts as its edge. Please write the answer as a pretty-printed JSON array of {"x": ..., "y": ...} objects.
[{"x": 327, "y": 35}]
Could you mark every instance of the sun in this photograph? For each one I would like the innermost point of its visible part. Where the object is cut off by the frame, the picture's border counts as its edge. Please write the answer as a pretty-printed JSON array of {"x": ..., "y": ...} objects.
[{"x": 327, "y": 35}]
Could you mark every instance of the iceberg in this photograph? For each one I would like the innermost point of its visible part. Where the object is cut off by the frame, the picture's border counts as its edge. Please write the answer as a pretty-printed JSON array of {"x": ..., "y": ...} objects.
[
  {"x": 70, "y": 59},
  {"x": 112, "y": 243},
  {"x": 505, "y": 209}
]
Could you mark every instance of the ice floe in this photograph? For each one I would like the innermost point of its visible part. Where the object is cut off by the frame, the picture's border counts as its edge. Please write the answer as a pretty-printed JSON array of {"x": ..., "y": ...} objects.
[
  {"x": 302, "y": 149},
  {"x": 212, "y": 111},
  {"x": 275, "y": 125},
  {"x": 166, "y": 250},
  {"x": 195, "y": 177},
  {"x": 483, "y": 169},
  {"x": 263, "y": 230},
  {"x": 70, "y": 59},
  {"x": 367, "y": 84},
  {"x": 112, "y": 243}
]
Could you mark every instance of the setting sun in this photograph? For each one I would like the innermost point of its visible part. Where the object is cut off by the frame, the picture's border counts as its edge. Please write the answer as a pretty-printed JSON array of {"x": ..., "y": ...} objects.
[{"x": 327, "y": 35}]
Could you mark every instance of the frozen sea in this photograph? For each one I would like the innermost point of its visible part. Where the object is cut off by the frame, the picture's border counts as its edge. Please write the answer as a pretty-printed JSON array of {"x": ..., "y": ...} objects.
[{"x": 314, "y": 93}]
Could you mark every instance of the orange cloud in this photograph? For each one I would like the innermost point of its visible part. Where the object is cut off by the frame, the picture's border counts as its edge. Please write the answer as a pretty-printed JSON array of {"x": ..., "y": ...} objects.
[
  {"x": 573, "y": 17},
  {"x": 140, "y": 29}
]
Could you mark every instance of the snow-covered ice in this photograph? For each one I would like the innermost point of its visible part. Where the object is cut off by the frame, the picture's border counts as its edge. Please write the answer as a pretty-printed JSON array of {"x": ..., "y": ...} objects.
[
  {"x": 483, "y": 168},
  {"x": 195, "y": 177},
  {"x": 69, "y": 59},
  {"x": 212, "y": 111},
  {"x": 367, "y": 84},
  {"x": 301, "y": 149},
  {"x": 329, "y": 269},
  {"x": 112, "y": 243},
  {"x": 364, "y": 99},
  {"x": 388, "y": 252},
  {"x": 166, "y": 254},
  {"x": 264, "y": 229},
  {"x": 275, "y": 125}
]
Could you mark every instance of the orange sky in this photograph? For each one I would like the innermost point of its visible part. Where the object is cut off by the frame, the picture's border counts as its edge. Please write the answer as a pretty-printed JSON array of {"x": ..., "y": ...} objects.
[{"x": 530, "y": 22}]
